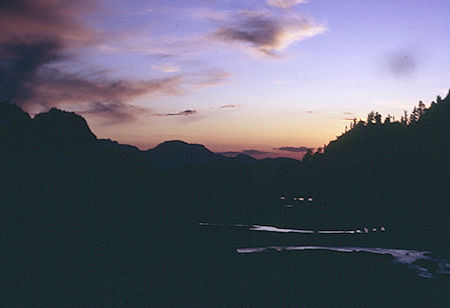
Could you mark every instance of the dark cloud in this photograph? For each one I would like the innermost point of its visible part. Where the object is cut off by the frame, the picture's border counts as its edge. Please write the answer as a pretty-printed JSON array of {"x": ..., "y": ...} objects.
[
  {"x": 259, "y": 31},
  {"x": 30, "y": 20},
  {"x": 37, "y": 42},
  {"x": 53, "y": 87},
  {"x": 19, "y": 65},
  {"x": 293, "y": 149},
  {"x": 60, "y": 86},
  {"x": 27, "y": 78},
  {"x": 265, "y": 32},
  {"x": 181, "y": 113},
  {"x": 348, "y": 119},
  {"x": 34, "y": 36}
]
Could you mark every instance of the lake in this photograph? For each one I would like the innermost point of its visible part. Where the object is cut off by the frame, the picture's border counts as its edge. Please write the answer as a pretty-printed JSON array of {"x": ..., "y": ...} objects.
[{"x": 425, "y": 264}]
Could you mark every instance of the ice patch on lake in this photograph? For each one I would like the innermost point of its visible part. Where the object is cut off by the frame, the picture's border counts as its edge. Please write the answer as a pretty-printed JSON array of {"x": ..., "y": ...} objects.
[
  {"x": 401, "y": 256},
  {"x": 288, "y": 230},
  {"x": 337, "y": 232},
  {"x": 275, "y": 229}
]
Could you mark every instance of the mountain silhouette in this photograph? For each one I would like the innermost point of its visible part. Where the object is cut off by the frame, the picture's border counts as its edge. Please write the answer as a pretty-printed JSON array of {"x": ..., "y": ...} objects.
[
  {"x": 62, "y": 129},
  {"x": 246, "y": 159},
  {"x": 111, "y": 144},
  {"x": 175, "y": 154}
]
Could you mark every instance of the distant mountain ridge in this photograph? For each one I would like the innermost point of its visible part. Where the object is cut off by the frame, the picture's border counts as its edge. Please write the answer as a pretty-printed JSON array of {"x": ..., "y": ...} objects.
[
  {"x": 175, "y": 154},
  {"x": 66, "y": 131}
]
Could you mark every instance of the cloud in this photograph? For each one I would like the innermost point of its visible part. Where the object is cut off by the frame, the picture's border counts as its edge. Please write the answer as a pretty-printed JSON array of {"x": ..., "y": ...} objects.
[
  {"x": 209, "y": 78},
  {"x": 265, "y": 32},
  {"x": 30, "y": 21},
  {"x": 204, "y": 13},
  {"x": 28, "y": 77},
  {"x": 166, "y": 68},
  {"x": 38, "y": 42},
  {"x": 108, "y": 49},
  {"x": 52, "y": 87},
  {"x": 285, "y": 4},
  {"x": 113, "y": 112},
  {"x": 19, "y": 65},
  {"x": 293, "y": 149},
  {"x": 348, "y": 113},
  {"x": 254, "y": 152},
  {"x": 280, "y": 82},
  {"x": 231, "y": 106},
  {"x": 36, "y": 35},
  {"x": 181, "y": 113}
]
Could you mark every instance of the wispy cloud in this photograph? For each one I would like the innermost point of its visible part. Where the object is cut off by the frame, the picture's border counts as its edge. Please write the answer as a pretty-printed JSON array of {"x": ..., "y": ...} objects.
[
  {"x": 293, "y": 149},
  {"x": 166, "y": 68},
  {"x": 108, "y": 49},
  {"x": 209, "y": 78},
  {"x": 181, "y": 113},
  {"x": 205, "y": 13},
  {"x": 113, "y": 113},
  {"x": 54, "y": 88},
  {"x": 254, "y": 152},
  {"x": 285, "y": 4},
  {"x": 231, "y": 106},
  {"x": 280, "y": 82},
  {"x": 265, "y": 32}
]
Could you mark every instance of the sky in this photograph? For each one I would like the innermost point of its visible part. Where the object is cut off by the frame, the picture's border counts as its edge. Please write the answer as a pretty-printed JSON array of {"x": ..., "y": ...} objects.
[{"x": 263, "y": 77}]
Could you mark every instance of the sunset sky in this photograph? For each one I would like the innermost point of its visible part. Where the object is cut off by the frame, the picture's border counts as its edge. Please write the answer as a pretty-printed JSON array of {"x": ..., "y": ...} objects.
[{"x": 274, "y": 76}]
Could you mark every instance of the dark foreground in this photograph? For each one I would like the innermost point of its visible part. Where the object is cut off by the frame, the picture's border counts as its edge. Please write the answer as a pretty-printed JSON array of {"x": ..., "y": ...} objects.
[
  {"x": 86, "y": 222},
  {"x": 199, "y": 267}
]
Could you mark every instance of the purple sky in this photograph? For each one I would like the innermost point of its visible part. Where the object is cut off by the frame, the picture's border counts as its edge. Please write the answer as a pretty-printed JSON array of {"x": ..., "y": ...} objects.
[{"x": 275, "y": 76}]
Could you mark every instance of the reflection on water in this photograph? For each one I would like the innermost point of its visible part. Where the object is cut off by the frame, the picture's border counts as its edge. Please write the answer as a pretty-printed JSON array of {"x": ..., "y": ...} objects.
[
  {"x": 337, "y": 232},
  {"x": 402, "y": 256},
  {"x": 301, "y": 199},
  {"x": 405, "y": 257},
  {"x": 285, "y": 230},
  {"x": 275, "y": 229}
]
